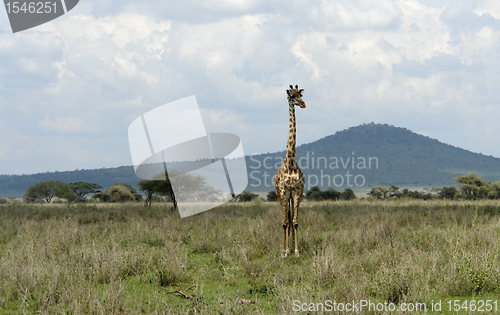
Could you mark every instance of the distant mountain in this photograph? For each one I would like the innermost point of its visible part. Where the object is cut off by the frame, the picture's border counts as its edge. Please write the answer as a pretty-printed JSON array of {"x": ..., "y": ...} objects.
[
  {"x": 358, "y": 157},
  {"x": 376, "y": 154}
]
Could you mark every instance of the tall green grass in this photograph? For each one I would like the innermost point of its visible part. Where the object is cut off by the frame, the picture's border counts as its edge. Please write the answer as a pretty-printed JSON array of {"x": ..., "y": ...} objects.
[{"x": 125, "y": 259}]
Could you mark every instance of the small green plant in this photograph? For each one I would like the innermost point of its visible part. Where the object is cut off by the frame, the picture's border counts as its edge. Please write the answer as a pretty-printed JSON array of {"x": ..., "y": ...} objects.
[{"x": 472, "y": 274}]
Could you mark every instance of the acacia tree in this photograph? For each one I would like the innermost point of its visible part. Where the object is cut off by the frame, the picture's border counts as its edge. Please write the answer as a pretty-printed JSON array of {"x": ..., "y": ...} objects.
[
  {"x": 44, "y": 190},
  {"x": 159, "y": 185},
  {"x": 187, "y": 187},
  {"x": 150, "y": 187},
  {"x": 473, "y": 186},
  {"x": 394, "y": 191},
  {"x": 81, "y": 188},
  {"x": 379, "y": 192},
  {"x": 165, "y": 188},
  {"x": 67, "y": 193}
]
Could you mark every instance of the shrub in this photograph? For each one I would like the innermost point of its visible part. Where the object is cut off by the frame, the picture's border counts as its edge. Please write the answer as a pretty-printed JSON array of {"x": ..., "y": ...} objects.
[
  {"x": 271, "y": 196},
  {"x": 315, "y": 193},
  {"x": 120, "y": 193},
  {"x": 246, "y": 196},
  {"x": 348, "y": 194}
]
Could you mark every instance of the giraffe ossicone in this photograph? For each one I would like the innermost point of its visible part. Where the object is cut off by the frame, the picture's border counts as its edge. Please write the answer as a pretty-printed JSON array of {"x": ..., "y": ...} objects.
[{"x": 289, "y": 181}]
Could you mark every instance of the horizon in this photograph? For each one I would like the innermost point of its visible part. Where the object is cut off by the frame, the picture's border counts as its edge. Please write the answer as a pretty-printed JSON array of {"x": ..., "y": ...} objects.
[{"x": 265, "y": 153}]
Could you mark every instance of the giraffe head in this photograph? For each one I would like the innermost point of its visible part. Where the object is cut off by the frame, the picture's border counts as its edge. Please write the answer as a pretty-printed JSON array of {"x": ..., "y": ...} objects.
[{"x": 295, "y": 96}]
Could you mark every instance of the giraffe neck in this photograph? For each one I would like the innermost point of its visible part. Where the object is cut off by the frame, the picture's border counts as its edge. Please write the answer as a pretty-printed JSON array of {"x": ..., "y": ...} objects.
[{"x": 290, "y": 148}]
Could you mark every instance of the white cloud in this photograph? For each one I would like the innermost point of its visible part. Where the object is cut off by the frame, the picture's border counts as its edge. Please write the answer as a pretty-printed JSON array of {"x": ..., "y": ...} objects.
[
  {"x": 409, "y": 63},
  {"x": 477, "y": 44},
  {"x": 111, "y": 57},
  {"x": 221, "y": 120},
  {"x": 127, "y": 104},
  {"x": 490, "y": 7},
  {"x": 66, "y": 124},
  {"x": 306, "y": 58},
  {"x": 422, "y": 34},
  {"x": 352, "y": 15},
  {"x": 223, "y": 45},
  {"x": 240, "y": 6}
]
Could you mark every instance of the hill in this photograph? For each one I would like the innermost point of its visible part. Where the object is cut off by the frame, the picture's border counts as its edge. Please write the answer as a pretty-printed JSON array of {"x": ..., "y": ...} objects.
[
  {"x": 376, "y": 154},
  {"x": 358, "y": 157}
]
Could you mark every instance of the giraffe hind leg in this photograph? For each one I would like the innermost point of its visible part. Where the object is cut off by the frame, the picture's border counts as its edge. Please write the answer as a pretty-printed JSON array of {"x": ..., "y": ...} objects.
[
  {"x": 288, "y": 218},
  {"x": 295, "y": 221},
  {"x": 283, "y": 199},
  {"x": 293, "y": 225}
]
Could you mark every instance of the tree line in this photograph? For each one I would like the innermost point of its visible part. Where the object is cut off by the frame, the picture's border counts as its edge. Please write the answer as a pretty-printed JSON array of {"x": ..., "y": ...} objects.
[
  {"x": 472, "y": 187},
  {"x": 190, "y": 187},
  {"x": 46, "y": 191}
]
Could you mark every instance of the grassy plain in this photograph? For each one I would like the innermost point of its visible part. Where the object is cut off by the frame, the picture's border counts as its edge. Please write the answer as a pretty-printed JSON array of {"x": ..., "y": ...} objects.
[{"x": 125, "y": 259}]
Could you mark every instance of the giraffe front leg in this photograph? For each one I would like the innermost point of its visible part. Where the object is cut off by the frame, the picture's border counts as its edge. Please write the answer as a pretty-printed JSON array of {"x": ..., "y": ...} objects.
[
  {"x": 294, "y": 237},
  {"x": 286, "y": 227},
  {"x": 295, "y": 221},
  {"x": 285, "y": 251}
]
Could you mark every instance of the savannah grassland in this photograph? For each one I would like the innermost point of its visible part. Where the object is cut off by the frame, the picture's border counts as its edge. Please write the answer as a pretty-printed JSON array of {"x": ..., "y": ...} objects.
[{"x": 125, "y": 259}]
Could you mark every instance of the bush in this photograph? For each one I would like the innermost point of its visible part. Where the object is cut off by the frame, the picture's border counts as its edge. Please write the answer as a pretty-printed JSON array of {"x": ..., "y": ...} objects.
[
  {"x": 271, "y": 196},
  {"x": 246, "y": 196},
  {"x": 118, "y": 193},
  {"x": 315, "y": 193},
  {"x": 102, "y": 197},
  {"x": 330, "y": 194},
  {"x": 348, "y": 194}
]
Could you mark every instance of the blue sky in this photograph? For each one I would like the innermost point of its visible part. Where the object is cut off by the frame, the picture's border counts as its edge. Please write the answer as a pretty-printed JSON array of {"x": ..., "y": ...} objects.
[{"x": 70, "y": 88}]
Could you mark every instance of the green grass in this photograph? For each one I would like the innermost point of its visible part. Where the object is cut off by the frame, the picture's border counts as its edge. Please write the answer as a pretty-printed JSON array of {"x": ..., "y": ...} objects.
[{"x": 125, "y": 259}]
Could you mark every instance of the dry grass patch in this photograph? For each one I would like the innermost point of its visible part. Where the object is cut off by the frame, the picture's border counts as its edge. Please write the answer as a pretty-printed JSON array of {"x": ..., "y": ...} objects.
[{"x": 123, "y": 258}]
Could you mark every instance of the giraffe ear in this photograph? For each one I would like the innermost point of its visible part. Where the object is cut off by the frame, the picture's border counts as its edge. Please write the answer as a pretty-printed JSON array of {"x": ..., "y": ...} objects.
[
  {"x": 301, "y": 91},
  {"x": 288, "y": 92}
]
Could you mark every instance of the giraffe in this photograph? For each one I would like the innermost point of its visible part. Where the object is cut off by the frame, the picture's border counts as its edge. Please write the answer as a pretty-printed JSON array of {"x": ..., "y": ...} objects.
[{"x": 289, "y": 181}]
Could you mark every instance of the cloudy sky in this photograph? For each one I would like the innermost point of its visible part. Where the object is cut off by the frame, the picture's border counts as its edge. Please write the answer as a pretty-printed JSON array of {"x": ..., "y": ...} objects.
[{"x": 70, "y": 88}]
